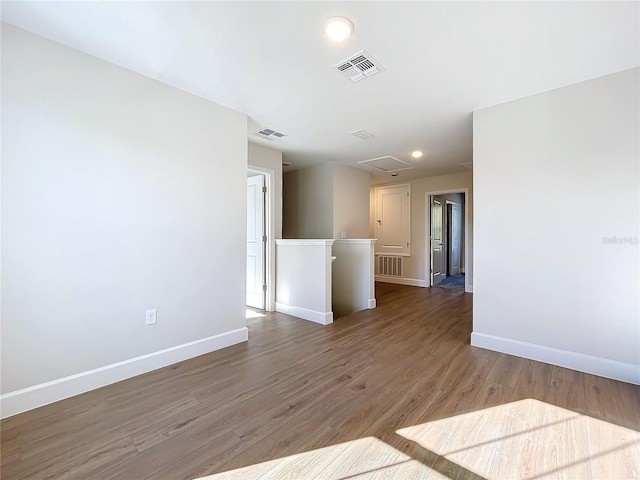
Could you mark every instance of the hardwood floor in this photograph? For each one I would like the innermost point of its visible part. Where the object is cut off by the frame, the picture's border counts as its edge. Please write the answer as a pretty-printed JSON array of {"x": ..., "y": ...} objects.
[{"x": 395, "y": 392}]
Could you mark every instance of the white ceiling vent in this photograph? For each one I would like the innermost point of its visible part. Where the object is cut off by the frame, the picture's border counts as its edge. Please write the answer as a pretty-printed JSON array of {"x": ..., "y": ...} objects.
[
  {"x": 362, "y": 134},
  {"x": 387, "y": 164},
  {"x": 268, "y": 134},
  {"x": 359, "y": 66},
  {"x": 467, "y": 165}
]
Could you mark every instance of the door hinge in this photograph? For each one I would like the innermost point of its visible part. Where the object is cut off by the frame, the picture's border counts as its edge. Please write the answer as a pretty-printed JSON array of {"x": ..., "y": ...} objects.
[
  {"x": 264, "y": 288},
  {"x": 264, "y": 238},
  {"x": 264, "y": 189},
  {"x": 407, "y": 194}
]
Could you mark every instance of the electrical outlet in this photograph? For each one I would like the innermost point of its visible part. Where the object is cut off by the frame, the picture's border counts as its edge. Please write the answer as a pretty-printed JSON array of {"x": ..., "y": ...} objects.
[{"x": 151, "y": 317}]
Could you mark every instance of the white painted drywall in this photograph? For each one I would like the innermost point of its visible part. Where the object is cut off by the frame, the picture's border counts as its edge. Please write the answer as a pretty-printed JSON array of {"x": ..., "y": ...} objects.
[
  {"x": 324, "y": 200},
  {"x": 271, "y": 159},
  {"x": 556, "y": 185},
  {"x": 308, "y": 202},
  {"x": 303, "y": 285},
  {"x": 350, "y": 202},
  {"x": 353, "y": 286},
  {"x": 119, "y": 194},
  {"x": 415, "y": 266}
]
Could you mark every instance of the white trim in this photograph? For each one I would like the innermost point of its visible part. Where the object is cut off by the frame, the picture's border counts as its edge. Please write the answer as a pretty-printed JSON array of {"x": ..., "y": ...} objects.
[
  {"x": 625, "y": 372},
  {"x": 412, "y": 282},
  {"x": 36, "y": 396},
  {"x": 324, "y": 318},
  {"x": 270, "y": 228},
  {"x": 468, "y": 287},
  {"x": 371, "y": 303},
  {"x": 368, "y": 241},
  {"x": 304, "y": 241}
]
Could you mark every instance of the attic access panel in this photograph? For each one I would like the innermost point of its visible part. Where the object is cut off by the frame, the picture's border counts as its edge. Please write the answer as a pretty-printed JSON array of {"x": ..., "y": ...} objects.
[{"x": 387, "y": 164}]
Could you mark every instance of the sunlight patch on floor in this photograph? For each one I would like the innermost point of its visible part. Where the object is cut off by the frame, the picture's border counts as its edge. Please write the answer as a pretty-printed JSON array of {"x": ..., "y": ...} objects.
[
  {"x": 358, "y": 459},
  {"x": 530, "y": 439},
  {"x": 253, "y": 314},
  {"x": 527, "y": 439}
]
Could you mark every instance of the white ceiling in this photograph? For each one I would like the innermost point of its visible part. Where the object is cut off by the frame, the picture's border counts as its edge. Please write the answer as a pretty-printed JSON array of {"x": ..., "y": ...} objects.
[{"x": 270, "y": 60}]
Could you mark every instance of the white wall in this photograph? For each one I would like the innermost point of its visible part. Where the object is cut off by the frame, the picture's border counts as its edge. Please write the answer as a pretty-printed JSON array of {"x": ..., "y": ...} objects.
[
  {"x": 304, "y": 279},
  {"x": 308, "y": 202},
  {"x": 353, "y": 286},
  {"x": 324, "y": 200},
  {"x": 350, "y": 202},
  {"x": 119, "y": 194},
  {"x": 415, "y": 266},
  {"x": 549, "y": 282},
  {"x": 261, "y": 156}
]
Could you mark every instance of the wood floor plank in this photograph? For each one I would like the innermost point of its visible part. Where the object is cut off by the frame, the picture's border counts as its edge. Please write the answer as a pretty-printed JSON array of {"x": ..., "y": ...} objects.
[
  {"x": 568, "y": 394},
  {"x": 394, "y": 392},
  {"x": 534, "y": 379},
  {"x": 506, "y": 370},
  {"x": 630, "y": 396},
  {"x": 566, "y": 375},
  {"x": 614, "y": 451},
  {"x": 602, "y": 397}
]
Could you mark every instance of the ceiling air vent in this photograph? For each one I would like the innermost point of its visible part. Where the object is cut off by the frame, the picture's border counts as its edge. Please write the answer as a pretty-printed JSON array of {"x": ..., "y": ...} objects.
[
  {"x": 362, "y": 134},
  {"x": 387, "y": 164},
  {"x": 268, "y": 134},
  {"x": 359, "y": 66}
]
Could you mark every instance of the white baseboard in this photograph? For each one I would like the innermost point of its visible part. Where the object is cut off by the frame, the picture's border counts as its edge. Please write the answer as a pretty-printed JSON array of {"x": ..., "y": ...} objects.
[
  {"x": 469, "y": 288},
  {"x": 371, "y": 303},
  {"x": 36, "y": 396},
  {"x": 324, "y": 318},
  {"x": 412, "y": 282},
  {"x": 625, "y": 372}
]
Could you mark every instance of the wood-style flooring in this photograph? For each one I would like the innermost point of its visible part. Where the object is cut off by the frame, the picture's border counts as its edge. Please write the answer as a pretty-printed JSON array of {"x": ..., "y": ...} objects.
[{"x": 394, "y": 392}]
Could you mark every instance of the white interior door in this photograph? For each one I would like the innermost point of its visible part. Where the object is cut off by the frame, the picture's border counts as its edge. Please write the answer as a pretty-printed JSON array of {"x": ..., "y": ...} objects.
[
  {"x": 393, "y": 222},
  {"x": 437, "y": 253},
  {"x": 455, "y": 239},
  {"x": 256, "y": 242}
]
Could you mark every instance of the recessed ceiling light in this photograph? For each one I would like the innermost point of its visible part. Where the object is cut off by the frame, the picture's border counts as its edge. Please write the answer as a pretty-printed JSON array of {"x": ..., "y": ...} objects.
[
  {"x": 416, "y": 154},
  {"x": 338, "y": 28}
]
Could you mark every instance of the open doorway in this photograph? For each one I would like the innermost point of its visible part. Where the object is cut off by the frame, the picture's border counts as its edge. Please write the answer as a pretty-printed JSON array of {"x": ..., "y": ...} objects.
[
  {"x": 260, "y": 273},
  {"x": 446, "y": 230}
]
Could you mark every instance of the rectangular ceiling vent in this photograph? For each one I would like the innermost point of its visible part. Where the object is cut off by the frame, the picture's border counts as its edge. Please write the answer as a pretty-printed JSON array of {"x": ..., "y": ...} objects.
[
  {"x": 362, "y": 134},
  {"x": 467, "y": 165},
  {"x": 268, "y": 134},
  {"x": 386, "y": 164},
  {"x": 359, "y": 66}
]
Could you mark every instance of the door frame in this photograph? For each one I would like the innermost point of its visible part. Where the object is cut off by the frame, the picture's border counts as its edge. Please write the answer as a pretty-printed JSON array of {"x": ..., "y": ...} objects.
[
  {"x": 427, "y": 224},
  {"x": 449, "y": 203},
  {"x": 269, "y": 229}
]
